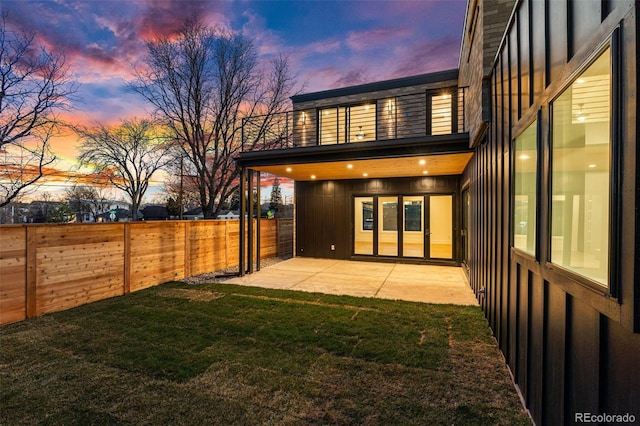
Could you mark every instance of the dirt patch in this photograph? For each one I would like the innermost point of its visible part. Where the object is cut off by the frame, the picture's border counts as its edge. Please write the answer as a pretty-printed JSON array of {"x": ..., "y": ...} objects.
[{"x": 191, "y": 295}]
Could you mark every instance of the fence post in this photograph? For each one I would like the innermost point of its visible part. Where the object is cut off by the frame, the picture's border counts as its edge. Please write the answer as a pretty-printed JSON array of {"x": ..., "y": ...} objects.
[
  {"x": 277, "y": 237},
  {"x": 31, "y": 272},
  {"x": 127, "y": 258},
  {"x": 187, "y": 249}
]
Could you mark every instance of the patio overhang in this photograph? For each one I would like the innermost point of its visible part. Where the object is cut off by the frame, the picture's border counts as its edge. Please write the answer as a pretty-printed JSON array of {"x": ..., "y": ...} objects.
[{"x": 431, "y": 156}]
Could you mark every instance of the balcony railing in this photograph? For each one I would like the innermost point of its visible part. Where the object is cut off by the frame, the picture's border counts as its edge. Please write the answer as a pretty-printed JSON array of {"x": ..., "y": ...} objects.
[{"x": 392, "y": 118}]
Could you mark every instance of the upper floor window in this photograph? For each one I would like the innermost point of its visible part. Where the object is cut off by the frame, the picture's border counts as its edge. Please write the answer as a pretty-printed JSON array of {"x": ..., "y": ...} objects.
[
  {"x": 525, "y": 174},
  {"x": 581, "y": 175},
  {"x": 441, "y": 114},
  {"x": 347, "y": 124}
]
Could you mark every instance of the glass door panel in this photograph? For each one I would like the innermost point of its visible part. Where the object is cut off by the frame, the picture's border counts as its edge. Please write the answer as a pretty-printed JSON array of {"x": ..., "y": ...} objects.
[
  {"x": 388, "y": 226},
  {"x": 363, "y": 225},
  {"x": 413, "y": 227},
  {"x": 441, "y": 226}
]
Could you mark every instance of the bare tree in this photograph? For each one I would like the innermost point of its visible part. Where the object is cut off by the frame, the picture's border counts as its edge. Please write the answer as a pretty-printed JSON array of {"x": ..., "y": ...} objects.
[
  {"x": 202, "y": 82},
  {"x": 34, "y": 87},
  {"x": 181, "y": 184},
  {"x": 127, "y": 155}
]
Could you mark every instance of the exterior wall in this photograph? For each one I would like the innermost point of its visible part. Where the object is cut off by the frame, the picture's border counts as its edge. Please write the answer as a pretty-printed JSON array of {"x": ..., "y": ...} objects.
[
  {"x": 571, "y": 349},
  {"x": 484, "y": 26},
  {"x": 305, "y": 130},
  {"x": 324, "y": 210}
]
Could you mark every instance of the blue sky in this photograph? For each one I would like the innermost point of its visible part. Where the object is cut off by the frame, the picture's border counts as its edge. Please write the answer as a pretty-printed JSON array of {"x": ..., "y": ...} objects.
[{"x": 330, "y": 43}]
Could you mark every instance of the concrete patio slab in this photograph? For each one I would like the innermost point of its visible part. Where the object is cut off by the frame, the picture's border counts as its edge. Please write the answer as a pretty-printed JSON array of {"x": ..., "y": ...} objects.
[{"x": 397, "y": 281}]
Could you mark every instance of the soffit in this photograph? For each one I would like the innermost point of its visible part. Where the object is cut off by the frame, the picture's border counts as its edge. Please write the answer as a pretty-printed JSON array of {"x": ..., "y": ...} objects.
[{"x": 434, "y": 165}]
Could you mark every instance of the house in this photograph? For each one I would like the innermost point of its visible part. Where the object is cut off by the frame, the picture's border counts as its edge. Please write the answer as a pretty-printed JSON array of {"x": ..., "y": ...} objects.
[
  {"x": 193, "y": 214},
  {"x": 228, "y": 214},
  {"x": 114, "y": 215},
  {"x": 521, "y": 166},
  {"x": 154, "y": 212}
]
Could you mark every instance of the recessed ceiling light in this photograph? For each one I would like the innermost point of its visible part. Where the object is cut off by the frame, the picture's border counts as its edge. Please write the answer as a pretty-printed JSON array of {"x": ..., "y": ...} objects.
[
  {"x": 365, "y": 174},
  {"x": 349, "y": 166},
  {"x": 592, "y": 166},
  {"x": 313, "y": 176},
  {"x": 288, "y": 169},
  {"x": 423, "y": 162},
  {"x": 524, "y": 157},
  {"x": 424, "y": 172}
]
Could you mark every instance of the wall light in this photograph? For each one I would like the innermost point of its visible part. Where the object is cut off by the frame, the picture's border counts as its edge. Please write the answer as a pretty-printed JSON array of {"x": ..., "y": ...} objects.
[{"x": 303, "y": 119}]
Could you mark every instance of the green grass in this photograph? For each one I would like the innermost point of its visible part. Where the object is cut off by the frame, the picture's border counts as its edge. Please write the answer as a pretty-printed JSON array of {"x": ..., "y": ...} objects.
[{"x": 223, "y": 354}]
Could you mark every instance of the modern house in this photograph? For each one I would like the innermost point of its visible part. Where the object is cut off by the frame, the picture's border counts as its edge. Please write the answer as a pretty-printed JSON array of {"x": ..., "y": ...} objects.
[{"x": 521, "y": 166}]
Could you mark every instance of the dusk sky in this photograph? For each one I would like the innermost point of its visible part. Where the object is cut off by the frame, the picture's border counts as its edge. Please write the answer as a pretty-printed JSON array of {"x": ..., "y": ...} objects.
[{"x": 330, "y": 44}]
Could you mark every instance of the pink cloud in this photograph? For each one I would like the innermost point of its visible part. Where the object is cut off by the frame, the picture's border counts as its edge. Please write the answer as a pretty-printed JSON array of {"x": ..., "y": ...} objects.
[{"x": 368, "y": 40}]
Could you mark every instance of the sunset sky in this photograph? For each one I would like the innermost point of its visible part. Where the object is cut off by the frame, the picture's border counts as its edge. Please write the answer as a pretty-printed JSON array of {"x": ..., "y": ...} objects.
[{"x": 331, "y": 44}]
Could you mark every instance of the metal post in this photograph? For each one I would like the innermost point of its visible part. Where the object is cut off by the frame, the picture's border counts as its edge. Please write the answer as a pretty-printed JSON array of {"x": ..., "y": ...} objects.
[
  {"x": 250, "y": 230},
  {"x": 243, "y": 212},
  {"x": 258, "y": 221}
]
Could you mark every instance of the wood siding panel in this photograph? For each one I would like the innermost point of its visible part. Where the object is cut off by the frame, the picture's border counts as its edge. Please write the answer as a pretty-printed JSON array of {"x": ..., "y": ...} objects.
[
  {"x": 13, "y": 273},
  {"x": 48, "y": 268},
  {"x": 77, "y": 265}
]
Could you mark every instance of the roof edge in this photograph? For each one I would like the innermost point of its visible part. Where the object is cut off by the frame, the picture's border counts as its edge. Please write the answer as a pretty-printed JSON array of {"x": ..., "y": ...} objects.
[{"x": 415, "y": 80}]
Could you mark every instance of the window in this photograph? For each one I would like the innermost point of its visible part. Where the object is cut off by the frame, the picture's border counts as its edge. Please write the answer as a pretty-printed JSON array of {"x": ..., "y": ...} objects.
[
  {"x": 413, "y": 215},
  {"x": 581, "y": 175},
  {"x": 389, "y": 215},
  {"x": 524, "y": 195},
  {"x": 441, "y": 114},
  {"x": 349, "y": 124},
  {"x": 367, "y": 215}
]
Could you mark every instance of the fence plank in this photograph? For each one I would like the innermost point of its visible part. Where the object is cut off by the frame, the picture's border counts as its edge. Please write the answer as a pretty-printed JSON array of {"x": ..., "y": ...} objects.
[
  {"x": 13, "y": 261},
  {"x": 52, "y": 267}
]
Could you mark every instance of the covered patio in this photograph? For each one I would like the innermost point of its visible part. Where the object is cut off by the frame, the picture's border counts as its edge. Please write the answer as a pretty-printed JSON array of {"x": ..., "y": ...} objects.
[{"x": 398, "y": 281}]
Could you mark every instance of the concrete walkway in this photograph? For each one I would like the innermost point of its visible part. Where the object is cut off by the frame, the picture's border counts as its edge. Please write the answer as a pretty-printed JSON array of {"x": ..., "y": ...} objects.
[{"x": 416, "y": 283}]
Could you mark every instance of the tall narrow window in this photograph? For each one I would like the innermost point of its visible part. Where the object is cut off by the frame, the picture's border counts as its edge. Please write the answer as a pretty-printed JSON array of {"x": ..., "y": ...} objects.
[
  {"x": 328, "y": 118},
  {"x": 441, "y": 114},
  {"x": 580, "y": 174},
  {"x": 524, "y": 194}
]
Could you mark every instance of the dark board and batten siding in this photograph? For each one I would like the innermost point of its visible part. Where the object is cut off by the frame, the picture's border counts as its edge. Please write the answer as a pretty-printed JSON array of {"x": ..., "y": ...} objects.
[
  {"x": 571, "y": 349},
  {"x": 324, "y": 210}
]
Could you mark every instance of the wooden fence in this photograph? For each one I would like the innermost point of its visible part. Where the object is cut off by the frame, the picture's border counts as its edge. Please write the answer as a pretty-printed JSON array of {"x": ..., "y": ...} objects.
[{"x": 52, "y": 267}]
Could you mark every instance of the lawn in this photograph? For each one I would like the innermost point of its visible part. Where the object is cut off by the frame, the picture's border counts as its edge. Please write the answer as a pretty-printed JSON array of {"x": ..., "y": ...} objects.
[{"x": 224, "y": 354}]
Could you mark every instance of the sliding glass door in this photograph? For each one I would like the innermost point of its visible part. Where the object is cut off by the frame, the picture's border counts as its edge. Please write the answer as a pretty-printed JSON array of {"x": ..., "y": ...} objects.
[{"x": 408, "y": 226}]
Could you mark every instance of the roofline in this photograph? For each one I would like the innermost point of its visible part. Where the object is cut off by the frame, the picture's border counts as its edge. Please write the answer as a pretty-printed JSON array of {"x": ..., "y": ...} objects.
[{"x": 415, "y": 80}]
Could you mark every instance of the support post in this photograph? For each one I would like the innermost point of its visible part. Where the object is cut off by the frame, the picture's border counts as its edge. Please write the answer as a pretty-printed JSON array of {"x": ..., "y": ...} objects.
[
  {"x": 258, "y": 221},
  {"x": 243, "y": 212},
  {"x": 250, "y": 230}
]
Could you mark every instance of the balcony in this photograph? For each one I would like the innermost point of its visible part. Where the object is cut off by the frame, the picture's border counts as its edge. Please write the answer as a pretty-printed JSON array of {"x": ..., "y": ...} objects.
[{"x": 409, "y": 117}]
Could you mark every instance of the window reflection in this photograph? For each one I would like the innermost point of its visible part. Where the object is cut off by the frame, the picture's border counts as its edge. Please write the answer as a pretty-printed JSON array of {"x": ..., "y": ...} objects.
[
  {"x": 580, "y": 173},
  {"x": 525, "y": 179}
]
